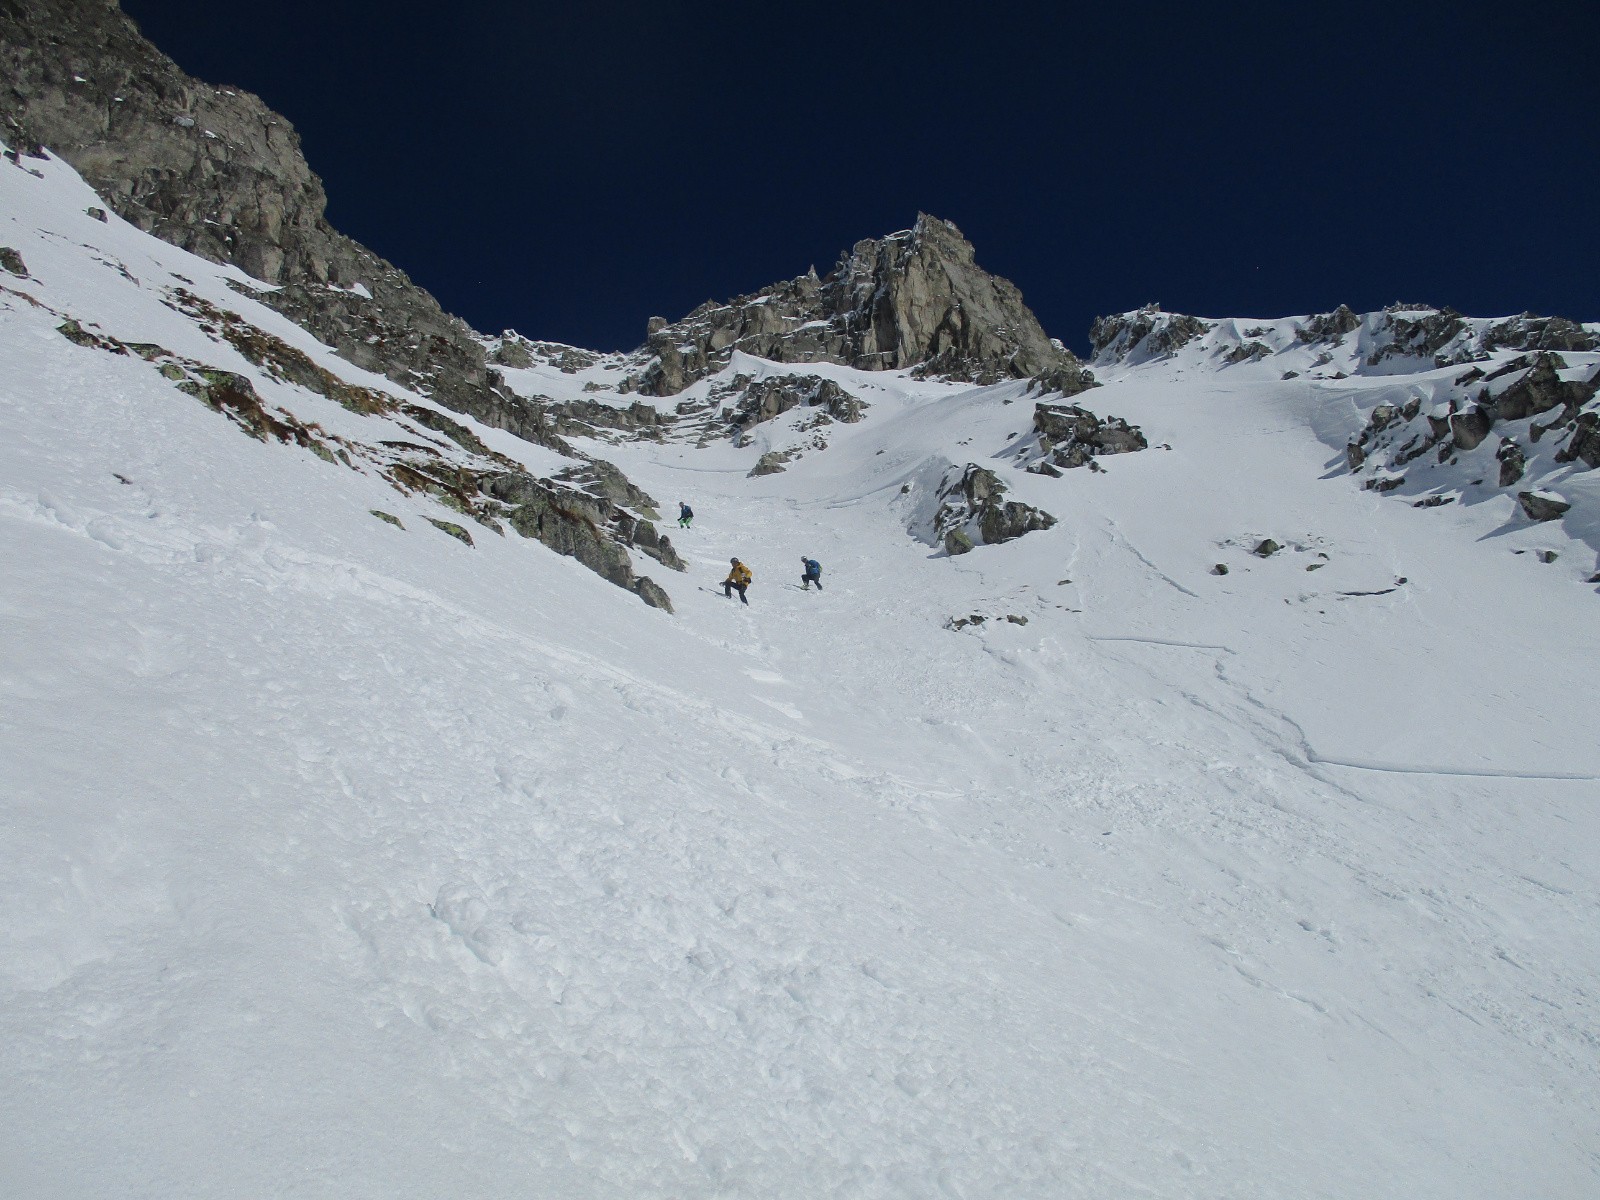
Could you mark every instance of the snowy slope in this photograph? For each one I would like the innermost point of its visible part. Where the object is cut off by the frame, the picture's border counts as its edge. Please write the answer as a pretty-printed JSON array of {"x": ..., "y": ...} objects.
[{"x": 345, "y": 860}]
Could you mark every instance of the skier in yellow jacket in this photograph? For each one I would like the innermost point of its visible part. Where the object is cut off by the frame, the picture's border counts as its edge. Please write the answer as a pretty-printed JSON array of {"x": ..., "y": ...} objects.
[{"x": 738, "y": 577}]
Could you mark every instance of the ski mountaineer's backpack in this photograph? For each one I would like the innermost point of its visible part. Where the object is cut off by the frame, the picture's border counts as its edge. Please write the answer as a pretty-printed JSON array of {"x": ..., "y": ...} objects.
[{"x": 813, "y": 568}]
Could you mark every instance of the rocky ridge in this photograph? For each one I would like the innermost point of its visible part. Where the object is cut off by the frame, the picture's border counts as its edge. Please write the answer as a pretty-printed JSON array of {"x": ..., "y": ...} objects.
[
  {"x": 1401, "y": 337},
  {"x": 1446, "y": 338},
  {"x": 913, "y": 300},
  {"x": 1143, "y": 334},
  {"x": 215, "y": 171},
  {"x": 1525, "y": 420},
  {"x": 1522, "y": 417},
  {"x": 583, "y": 514}
]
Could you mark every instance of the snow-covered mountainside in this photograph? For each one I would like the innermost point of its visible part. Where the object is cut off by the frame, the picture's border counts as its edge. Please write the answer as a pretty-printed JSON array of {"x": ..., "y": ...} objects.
[
  {"x": 1231, "y": 832},
  {"x": 1426, "y": 403},
  {"x": 183, "y": 326}
]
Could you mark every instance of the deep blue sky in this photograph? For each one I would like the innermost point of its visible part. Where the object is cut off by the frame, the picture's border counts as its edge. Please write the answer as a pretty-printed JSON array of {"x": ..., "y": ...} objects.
[{"x": 571, "y": 169}]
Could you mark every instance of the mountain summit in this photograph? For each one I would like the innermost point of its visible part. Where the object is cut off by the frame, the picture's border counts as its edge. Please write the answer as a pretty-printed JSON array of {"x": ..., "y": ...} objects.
[{"x": 915, "y": 299}]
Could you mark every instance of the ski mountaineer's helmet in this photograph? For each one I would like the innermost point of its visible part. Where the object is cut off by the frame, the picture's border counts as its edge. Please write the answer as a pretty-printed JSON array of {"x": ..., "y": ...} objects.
[{"x": 733, "y": 560}]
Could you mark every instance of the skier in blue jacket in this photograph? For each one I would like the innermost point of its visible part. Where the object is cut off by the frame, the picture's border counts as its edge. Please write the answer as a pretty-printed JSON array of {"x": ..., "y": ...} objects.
[{"x": 813, "y": 574}]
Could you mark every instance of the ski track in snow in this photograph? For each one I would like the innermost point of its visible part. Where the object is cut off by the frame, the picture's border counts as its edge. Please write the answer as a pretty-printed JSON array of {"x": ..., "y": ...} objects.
[{"x": 350, "y": 861}]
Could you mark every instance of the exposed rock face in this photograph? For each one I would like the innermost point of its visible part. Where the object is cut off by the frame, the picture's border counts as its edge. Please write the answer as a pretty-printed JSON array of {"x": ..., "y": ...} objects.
[
  {"x": 1513, "y": 462},
  {"x": 438, "y": 457},
  {"x": 1330, "y": 327},
  {"x": 600, "y": 478},
  {"x": 1531, "y": 332},
  {"x": 1417, "y": 331},
  {"x": 1071, "y": 436},
  {"x": 1540, "y": 390},
  {"x": 912, "y": 299},
  {"x": 575, "y": 524},
  {"x": 1541, "y": 506},
  {"x": 765, "y": 399},
  {"x": 1247, "y": 352},
  {"x": 1068, "y": 379},
  {"x": 1470, "y": 428},
  {"x": 454, "y": 530},
  {"x": 1585, "y": 443},
  {"x": 1519, "y": 404},
  {"x": 1147, "y": 333},
  {"x": 972, "y": 512},
  {"x": 1537, "y": 389},
  {"x": 511, "y": 349},
  {"x": 217, "y": 172},
  {"x": 1448, "y": 338},
  {"x": 770, "y": 463},
  {"x": 587, "y": 418}
]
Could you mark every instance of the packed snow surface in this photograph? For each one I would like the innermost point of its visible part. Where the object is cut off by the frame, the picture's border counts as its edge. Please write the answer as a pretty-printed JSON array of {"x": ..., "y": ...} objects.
[{"x": 348, "y": 860}]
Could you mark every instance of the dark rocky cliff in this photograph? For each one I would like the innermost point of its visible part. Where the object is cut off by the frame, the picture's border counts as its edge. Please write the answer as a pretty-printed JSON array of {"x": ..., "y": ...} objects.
[{"x": 217, "y": 172}]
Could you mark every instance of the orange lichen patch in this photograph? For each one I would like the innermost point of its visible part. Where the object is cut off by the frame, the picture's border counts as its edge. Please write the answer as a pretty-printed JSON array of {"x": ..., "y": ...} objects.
[
  {"x": 24, "y": 296},
  {"x": 236, "y": 398},
  {"x": 279, "y": 359}
]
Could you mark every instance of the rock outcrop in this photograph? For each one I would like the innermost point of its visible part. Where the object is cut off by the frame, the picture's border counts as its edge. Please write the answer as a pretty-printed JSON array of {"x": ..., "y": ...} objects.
[
  {"x": 1071, "y": 436},
  {"x": 1542, "y": 506},
  {"x": 973, "y": 512},
  {"x": 1538, "y": 414},
  {"x": 436, "y": 457},
  {"x": 1533, "y": 332},
  {"x": 1448, "y": 338},
  {"x": 1535, "y": 388},
  {"x": 1145, "y": 334},
  {"x": 588, "y": 528},
  {"x": 1332, "y": 327},
  {"x": 770, "y": 463},
  {"x": 765, "y": 399},
  {"x": 1537, "y": 391},
  {"x": 1584, "y": 444},
  {"x": 513, "y": 350},
  {"x": 915, "y": 299},
  {"x": 1247, "y": 352}
]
